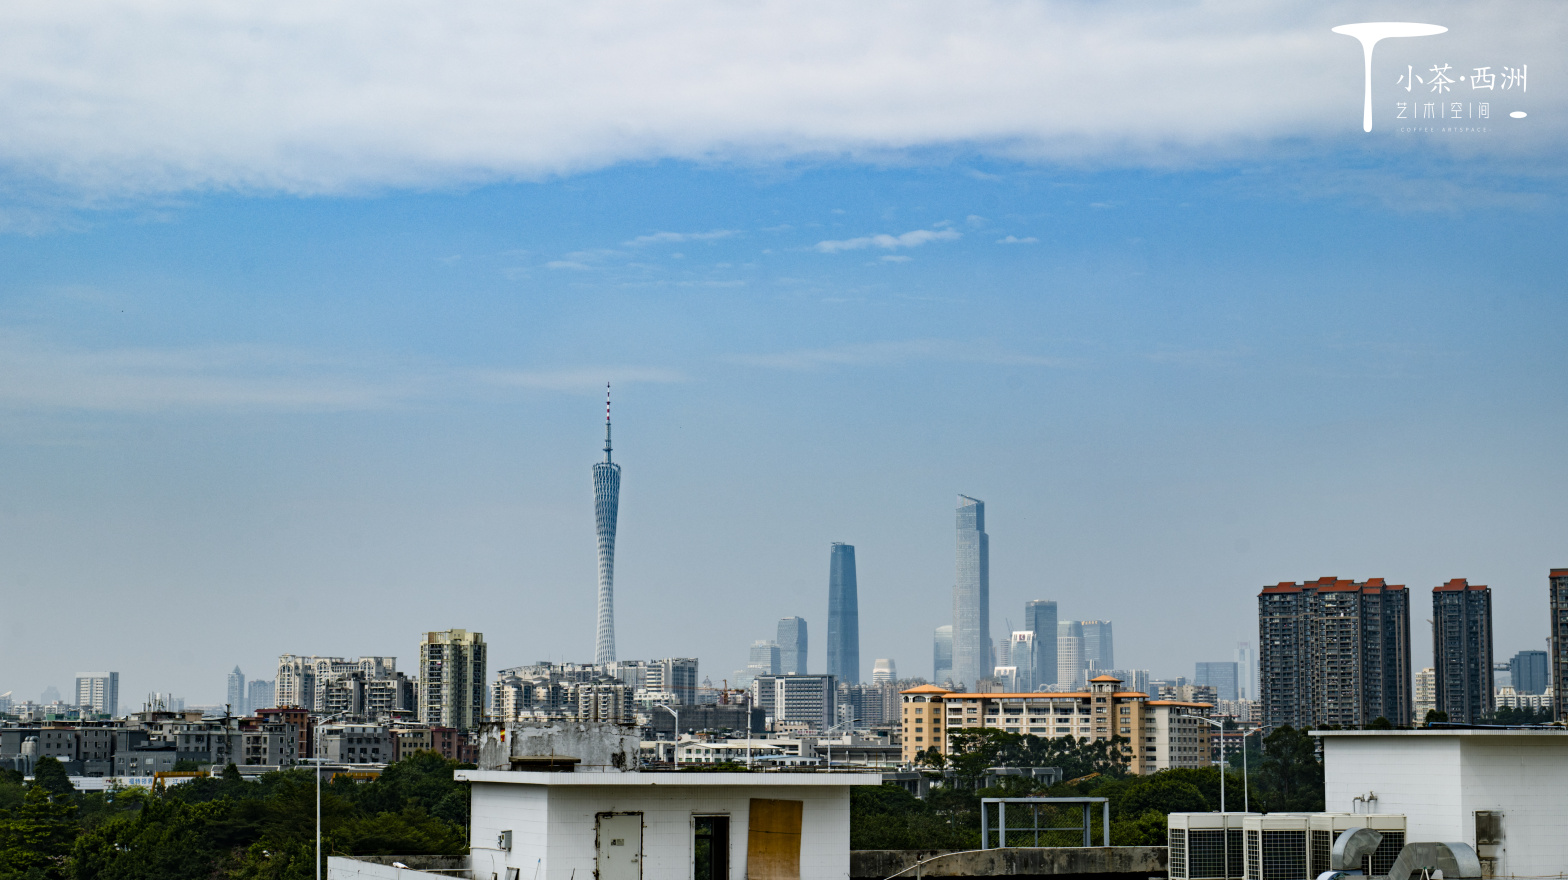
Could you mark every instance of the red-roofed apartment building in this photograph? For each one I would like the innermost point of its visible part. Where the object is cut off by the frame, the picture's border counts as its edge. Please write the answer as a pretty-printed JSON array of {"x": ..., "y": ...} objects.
[
  {"x": 1557, "y": 582},
  {"x": 1334, "y": 652},
  {"x": 1462, "y": 650}
]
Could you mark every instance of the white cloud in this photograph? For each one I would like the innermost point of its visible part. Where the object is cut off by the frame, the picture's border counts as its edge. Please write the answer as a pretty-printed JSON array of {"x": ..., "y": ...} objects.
[
  {"x": 896, "y": 258},
  {"x": 676, "y": 237},
  {"x": 122, "y": 97},
  {"x": 1013, "y": 239},
  {"x": 911, "y": 239},
  {"x": 583, "y": 379},
  {"x": 890, "y": 353}
]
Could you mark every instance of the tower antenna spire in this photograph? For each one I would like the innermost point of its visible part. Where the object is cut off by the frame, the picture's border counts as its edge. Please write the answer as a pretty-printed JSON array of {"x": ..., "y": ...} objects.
[{"x": 607, "y": 421}]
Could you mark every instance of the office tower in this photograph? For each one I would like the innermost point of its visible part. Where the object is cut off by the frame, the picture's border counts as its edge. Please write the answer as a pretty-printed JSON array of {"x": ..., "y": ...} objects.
[
  {"x": 1097, "y": 651},
  {"x": 1021, "y": 656},
  {"x": 792, "y": 646},
  {"x": 237, "y": 692},
  {"x": 1462, "y": 650},
  {"x": 1527, "y": 672},
  {"x": 843, "y": 615},
  {"x": 1002, "y": 654},
  {"x": 1425, "y": 699},
  {"x": 99, "y": 692},
  {"x": 1069, "y": 655},
  {"x": 1220, "y": 676},
  {"x": 606, "y": 508},
  {"x": 1133, "y": 680},
  {"x": 764, "y": 657},
  {"x": 674, "y": 675},
  {"x": 1334, "y": 652},
  {"x": 258, "y": 695},
  {"x": 811, "y": 699},
  {"x": 942, "y": 654},
  {"x": 1557, "y": 642},
  {"x": 1040, "y": 619},
  {"x": 972, "y": 595},
  {"x": 452, "y": 678},
  {"x": 1247, "y": 671},
  {"x": 884, "y": 672}
]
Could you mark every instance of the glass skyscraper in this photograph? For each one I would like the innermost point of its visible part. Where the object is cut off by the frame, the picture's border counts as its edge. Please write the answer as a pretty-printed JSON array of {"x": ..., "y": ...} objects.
[
  {"x": 792, "y": 646},
  {"x": 972, "y": 595},
  {"x": 843, "y": 615},
  {"x": 1097, "y": 650},
  {"x": 606, "y": 507},
  {"x": 1040, "y": 619},
  {"x": 942, "y": 655}
]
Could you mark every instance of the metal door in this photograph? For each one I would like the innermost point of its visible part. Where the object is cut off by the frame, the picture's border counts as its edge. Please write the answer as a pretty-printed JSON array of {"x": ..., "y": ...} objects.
[{"x": 618, "y": 846}]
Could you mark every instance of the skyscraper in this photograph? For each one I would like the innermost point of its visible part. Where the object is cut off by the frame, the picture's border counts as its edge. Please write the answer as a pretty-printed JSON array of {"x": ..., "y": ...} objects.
[
  {"x": 452, "y": 678},
  {"x": 884, "y": 671},
  {"x": 1040, "y": 619},
  {"x": 1334, "y": 652},
  {"x": 843, "y": 615},
  {"x": 1247, "y": 672},
  {"x": 237, "y": 692},
  {"x": 792, "y": 646},
  {"x": 942, "y": 654},
  {"x": 606, "y": 507},
  {"x": 1021, "y": 656},
  {"x": 99, "y": 691},
  {"x": 764, "y": 658},
  {"x": 258, "y": 695},
  {"x": 1221, "y": 676},
  {"x": 1527, "y": 671},
  {"x": 1069, "y": 654},
  {"x": 972, "y": 595},
  {"x": 1557, "y": 591},
  {"x": 1462, "y": 650},
  {"x": 1097, "y": 650}
]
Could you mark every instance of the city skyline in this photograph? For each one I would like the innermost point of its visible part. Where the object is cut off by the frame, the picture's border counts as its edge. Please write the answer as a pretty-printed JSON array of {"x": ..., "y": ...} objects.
[{"x": 335, "y": 352}]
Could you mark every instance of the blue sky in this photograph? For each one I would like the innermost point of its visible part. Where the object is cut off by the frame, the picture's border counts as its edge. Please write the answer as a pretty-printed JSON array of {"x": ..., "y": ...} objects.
[{"x": 257, "y": 403}]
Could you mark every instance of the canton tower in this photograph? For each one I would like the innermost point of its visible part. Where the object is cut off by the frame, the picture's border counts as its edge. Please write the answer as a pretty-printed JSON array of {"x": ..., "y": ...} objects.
[{"x": 606, "y": 504}]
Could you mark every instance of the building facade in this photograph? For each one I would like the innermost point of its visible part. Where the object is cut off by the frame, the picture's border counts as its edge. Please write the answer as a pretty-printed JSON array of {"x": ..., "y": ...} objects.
[
  {"x": 1098, "y": 647},
  {"x": 1557, "y": 585},
  {"x": 258, "y": 695},
  {"x": 766, "y": 659},
  {"x": 972, "y": 595},
  {"x": 1462, "y": 650},
  {"x": 1040, "y": 619},
  {"x": 793, "y": 645},
  {"x": 236, "y": 696},
  {"x": 452, "y": 678},
  {"x": 606, "y": 511},
  {"x": 1527, "y": 672},
  {"x": 811, "y": 700},
  {"x": 843, "y": 615},
  {"x": 1101, "y": 713},
  {"x": 99, "y": 692},
  {"x": 1334, "y": 652},
  {"x": 1220, "y": 676},
  {"x": 942, "y": 654},
  {"x": 1069, "y": 654},
  {"x": 1425, "y": 694},
  {"x": 1021, "y": 656},
  {"x": 884, "y": 671},
  {"x": 1174, "y": 737}
]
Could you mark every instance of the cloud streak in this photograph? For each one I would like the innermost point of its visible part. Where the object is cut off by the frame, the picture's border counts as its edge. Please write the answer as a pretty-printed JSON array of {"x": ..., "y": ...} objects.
[
  {"x": 127, "y": 97},
  {"x": 876, "y": 354},
  {"x": 39, "y": 376},
  {"x": 915, "y": 238}
]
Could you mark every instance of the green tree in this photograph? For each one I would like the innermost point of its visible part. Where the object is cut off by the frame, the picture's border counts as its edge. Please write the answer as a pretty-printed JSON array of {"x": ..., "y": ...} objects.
[
  {"x": 50, "y": 776},
  {"x": 36, "y": 837}
]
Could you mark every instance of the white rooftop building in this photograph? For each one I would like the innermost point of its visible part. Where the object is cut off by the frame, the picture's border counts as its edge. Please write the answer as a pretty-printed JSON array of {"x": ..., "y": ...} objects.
[
  {"x": 653, "y": 826},
  {"x": 1504, "y": 792}
]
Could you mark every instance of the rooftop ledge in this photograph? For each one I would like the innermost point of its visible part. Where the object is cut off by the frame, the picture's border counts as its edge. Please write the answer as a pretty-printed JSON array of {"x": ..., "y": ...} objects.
[
  {"x": 1449, "y": 731},
  {"x": 689, "y": 779}
]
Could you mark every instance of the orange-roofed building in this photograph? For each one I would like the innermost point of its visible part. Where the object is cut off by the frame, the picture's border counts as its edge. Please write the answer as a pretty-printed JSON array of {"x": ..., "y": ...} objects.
[
  {"x": 1102, "y": 712},
  {"x": 1334, "y": 652},
  {"x": 1462, "y": 650}
]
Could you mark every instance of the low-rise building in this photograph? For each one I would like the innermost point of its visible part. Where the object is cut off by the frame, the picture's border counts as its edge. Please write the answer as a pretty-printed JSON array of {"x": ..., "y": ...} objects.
[
  {"x": 354, "y": 743},
  {"x": 1175, "y": 737},
  {"x": 931, "y": 714}
]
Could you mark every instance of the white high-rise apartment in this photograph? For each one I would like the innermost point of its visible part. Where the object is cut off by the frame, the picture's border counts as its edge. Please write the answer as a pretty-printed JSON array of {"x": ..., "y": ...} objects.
[
  {"x": 452, "y": 678},
  {"x": 99, "y": 691},
  {"x": 1425, "y": 694},
  {"x": 884, "y": 672}
]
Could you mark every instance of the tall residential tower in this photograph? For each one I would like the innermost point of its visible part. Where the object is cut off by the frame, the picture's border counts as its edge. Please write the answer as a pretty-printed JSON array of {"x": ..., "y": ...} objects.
[
  {"x": 972, "y": 595},
  {"x": 843, "y": 615},
  {"x": 606, "y": 506},
  {"x": 1462, "y": 650}
]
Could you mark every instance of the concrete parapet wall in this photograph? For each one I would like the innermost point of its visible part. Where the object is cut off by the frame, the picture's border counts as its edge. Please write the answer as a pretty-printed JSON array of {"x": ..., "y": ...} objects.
[
  {"x": 597, "y": 745},
  {"x": 380, "y": 868},
  {"x": 1101, "y": 863}
]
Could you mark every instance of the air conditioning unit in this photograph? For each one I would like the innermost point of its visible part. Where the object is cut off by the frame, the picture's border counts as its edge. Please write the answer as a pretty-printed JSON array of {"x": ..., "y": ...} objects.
[
  {"x": 1206, "y": 846},
  {"x": 1273, "y": 846}
]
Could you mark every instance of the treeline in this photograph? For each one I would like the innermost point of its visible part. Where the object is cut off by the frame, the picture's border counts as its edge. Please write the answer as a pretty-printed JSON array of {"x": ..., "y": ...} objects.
[
  {"x": 1284, "y": 773},
  {"x": 226, "y": 827}
]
